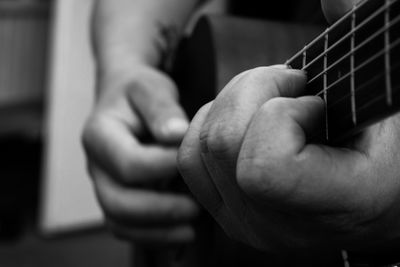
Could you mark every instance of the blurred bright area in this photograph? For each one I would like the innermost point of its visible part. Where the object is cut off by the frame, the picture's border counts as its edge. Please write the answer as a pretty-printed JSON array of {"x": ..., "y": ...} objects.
[{"x": 46, "y": 89}]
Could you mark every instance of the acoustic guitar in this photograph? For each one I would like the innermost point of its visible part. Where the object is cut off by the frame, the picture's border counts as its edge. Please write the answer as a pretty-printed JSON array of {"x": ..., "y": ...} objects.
[{"x": 354, "y": 65}]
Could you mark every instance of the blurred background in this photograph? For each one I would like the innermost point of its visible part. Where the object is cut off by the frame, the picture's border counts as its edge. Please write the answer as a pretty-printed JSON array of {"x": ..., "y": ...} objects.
[{"x": 48, "y": 214}]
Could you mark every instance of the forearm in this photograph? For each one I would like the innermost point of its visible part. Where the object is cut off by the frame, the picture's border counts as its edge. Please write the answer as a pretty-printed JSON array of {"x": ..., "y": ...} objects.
[{"x": 128, "y": 32}]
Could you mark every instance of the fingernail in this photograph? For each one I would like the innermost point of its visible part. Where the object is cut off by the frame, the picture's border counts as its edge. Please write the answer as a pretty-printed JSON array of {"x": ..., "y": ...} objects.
[
  {"x": 281, "y": 66},
  {"x": 175, "y": 126}
]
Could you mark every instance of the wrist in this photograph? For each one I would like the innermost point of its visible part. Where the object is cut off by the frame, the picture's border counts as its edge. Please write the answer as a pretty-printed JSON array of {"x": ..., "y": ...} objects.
[{"x": 112, "y": 77}]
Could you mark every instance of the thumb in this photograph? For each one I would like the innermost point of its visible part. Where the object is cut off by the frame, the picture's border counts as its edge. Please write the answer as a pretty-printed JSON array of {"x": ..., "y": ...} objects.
[
  {"x": 334, "y": 9},
  {"x": 155, "y": 98}
]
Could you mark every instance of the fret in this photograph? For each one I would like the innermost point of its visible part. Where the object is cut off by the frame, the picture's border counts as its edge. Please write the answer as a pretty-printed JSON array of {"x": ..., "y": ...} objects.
[
  {"x": 296, "y": 62},
  {"x": 387, "y": 55},
  {"x": 350, "y": 61},
  {"x": 352, "y": 79},
  {"x": 336, "y": 24},
  {"x": 370, "y": 64},
  {"x": 304, "y": 63},
  {"x": 325, "y": 83},
  {"x": 395, "y": 55},
  {"x": 354, "y": 50}
]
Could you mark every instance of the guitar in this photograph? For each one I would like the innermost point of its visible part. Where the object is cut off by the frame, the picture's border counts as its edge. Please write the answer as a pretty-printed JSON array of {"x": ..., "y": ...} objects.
[{"x": 353, "y": 66}]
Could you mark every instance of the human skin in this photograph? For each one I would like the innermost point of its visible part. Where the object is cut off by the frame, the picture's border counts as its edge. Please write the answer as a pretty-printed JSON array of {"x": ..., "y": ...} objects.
[
  {"x": 132, "y": 135},
  {"x": 246, "y": 159}
]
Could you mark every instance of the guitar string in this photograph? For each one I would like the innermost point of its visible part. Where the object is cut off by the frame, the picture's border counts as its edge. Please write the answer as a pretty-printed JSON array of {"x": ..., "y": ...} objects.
[
  {"x": 347, "y": 97},
  {"x": 363, "y": 64},
  {"x": 349, "y": 34},
  {"x": 361, "y": 45},
  {"x": 372, "y": 102},
  {"x": 395, "y": 20},
  {"x": 328, "y": 30},
  {"x": 368, "y": 104},
  {"x": 338, "y": 23},
  {"x": 358, "y": 47},
  {"x": 359, "y": 89},
  {"x": 365, "y": 106}
]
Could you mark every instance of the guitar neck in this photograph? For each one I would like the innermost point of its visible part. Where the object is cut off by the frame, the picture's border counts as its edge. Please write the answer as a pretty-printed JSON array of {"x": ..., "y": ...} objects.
[{"x": 354, "y": 66}]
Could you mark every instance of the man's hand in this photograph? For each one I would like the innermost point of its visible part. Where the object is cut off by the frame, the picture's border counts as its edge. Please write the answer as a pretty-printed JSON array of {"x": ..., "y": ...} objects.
[
  {"x": 246, "y": 159},
  {"x": 132, "y": 135},
  {"x": 130, "y": 140}
]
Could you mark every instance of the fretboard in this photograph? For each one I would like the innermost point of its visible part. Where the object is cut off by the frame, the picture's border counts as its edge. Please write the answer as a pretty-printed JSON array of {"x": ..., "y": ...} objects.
[{"x": 355, "y": 67}]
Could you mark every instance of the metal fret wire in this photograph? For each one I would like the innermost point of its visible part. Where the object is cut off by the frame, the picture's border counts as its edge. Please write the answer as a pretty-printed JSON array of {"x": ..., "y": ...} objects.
[
  {"x": 349, "y": 34},
  {"x": 366, "y": 105},
  {"x": 385, "y": 51},
  {"x": 360, "y": 88},
  {"x": 387, "y": 57},
  {"x": 366, "y": 62},
  {"x": 372, "y": 101},
  {"x": 361, "y": 45},
  {"x": 337, "y": 23},
  {"x": 352, "y": 81},
  {"x": 326, "y": 44}
]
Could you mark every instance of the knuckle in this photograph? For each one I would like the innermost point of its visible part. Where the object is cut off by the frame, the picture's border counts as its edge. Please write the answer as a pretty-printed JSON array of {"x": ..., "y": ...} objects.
[
  {"x": 257, "y": 74},
  {"x": 137, "y": 88},
  {"x": 219, "y": 140},
  {"x": 91, "y": 129},
  {"x": 93, "y": 138}
]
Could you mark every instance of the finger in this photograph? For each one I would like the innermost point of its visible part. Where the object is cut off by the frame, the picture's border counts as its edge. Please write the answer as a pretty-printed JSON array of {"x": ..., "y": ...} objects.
[
  {"x": 196, "y": 176},
  {"x": 229, "y": 117},
  {"x": 334, "y": 9},
  {"x": 192, "y": 169},
  {"x": 279, "y": 167},
  {"x": 154, "y": 235},
  {"x": 233, "y": 199},
  {"x": 156, "y": 100},
  {"x": 234, "y": 107},
  {"x": 142, "y": 207},
  {"x": 111, "y": 145}
]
